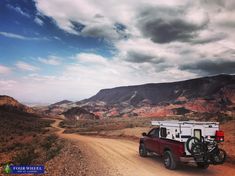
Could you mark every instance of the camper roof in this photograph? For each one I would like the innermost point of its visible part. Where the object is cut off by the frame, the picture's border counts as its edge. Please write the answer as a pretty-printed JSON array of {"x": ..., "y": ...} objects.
[{"x": 158, "y": 123}]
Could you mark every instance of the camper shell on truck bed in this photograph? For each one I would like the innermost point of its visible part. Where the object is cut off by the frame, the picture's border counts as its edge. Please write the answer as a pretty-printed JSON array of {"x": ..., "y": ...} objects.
[
  {"x": 183, "y": 142},
  {"x": 182, "y": 130}
]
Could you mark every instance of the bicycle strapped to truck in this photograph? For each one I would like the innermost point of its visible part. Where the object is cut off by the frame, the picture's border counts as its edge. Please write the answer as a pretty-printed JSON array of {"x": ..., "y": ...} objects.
[{"x": 206, "y": 150}]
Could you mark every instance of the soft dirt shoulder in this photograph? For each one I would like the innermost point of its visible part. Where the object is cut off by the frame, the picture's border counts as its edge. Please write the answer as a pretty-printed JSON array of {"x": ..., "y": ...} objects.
[{"x": 114, "y": 157}]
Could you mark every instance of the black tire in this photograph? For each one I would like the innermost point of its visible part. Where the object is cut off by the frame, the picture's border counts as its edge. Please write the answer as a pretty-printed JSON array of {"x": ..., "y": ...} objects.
[
  {"x": 199, "y": 152},
  {"x": 142, "y": 150},
  {"x": 202, "y": 165},
  {"x": 219, "y": 156},
  {"x": 191, "y": 142},
  {"x": 169, "y": 160}
]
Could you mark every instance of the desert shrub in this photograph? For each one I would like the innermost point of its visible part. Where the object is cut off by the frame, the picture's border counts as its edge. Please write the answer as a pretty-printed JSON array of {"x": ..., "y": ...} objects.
[
  {"x": 184, "y": 118},
  {"x": 130, "y": 125},
  {"x": 224, "y": 118},
  {"x": 17, "y": 145},
  {"x": 25, "y": 157},
  {"x": 53, "y": 151},
  {"x": 48, "y": 141},
  {"x": 52, "y": 146},
  {"x": 13, "y": 146},
  {"x": 34, "y": 135},
  {"x": 181, "y": 111}
]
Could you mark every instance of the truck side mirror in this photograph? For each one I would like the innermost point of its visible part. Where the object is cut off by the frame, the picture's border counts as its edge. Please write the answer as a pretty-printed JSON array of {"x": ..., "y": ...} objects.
[{"x": 144, "y": 134}]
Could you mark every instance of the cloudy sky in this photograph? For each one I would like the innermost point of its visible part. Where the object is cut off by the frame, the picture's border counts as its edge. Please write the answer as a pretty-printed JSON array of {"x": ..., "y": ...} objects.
[{"x": 69, "y": 49}]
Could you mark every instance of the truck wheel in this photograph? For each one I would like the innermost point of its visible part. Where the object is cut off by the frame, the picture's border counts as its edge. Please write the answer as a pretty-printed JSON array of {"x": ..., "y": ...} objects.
[
  {"x": 169, "y": 160},
  {"x": 142, "y": 150},
  {"x": 202, "y": 165},
  {"x": 199, "y": 152}
]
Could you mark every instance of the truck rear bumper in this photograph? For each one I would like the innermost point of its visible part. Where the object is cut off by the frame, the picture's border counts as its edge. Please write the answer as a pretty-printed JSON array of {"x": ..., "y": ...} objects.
[{"x": 188, "y": 159}]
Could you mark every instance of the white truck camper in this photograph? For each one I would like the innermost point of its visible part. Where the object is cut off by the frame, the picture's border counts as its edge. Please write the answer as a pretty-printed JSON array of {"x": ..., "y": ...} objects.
[{"x": 183, "y": 130}]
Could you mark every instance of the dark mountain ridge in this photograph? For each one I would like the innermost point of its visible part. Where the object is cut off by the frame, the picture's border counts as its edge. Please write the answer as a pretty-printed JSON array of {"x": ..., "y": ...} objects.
[
  {"x": 61, "y": 102},
  {"x": 156, "y": 93}
]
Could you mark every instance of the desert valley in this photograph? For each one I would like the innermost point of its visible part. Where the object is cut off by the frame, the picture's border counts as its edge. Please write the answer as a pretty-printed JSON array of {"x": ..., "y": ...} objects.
[{"x": 52, "y": 134}]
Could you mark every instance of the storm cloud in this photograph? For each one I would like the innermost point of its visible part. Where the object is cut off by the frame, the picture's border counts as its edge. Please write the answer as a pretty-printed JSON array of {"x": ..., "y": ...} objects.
[
  {"x": 210, "y": 67},
  {"x": 165, "y": 25},
  {"x": 140, "y": 57}
]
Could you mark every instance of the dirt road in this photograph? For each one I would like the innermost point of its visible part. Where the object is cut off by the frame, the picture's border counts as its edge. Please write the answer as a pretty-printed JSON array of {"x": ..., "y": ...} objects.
[{"x": 114, "y": 157}]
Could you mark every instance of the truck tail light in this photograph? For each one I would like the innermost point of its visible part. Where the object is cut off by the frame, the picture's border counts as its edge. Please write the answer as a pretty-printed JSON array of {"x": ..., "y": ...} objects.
[{"x": 219, "y": 136}]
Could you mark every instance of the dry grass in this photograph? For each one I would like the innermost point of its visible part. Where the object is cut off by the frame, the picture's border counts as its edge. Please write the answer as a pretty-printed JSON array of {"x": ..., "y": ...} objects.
[{"x": 105, "y": 124}]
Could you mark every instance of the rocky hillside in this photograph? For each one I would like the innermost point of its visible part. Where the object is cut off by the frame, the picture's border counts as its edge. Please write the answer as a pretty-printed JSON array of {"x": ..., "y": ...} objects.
[
  {"x": 66, "y": 109},
  {"x": 79, "y": 113},
  {"x": 206, "y": 97},
  {"x": 10, "y": 103},
  {"x": 56, "y": 109},
  {"x": 209, "y": 96}
]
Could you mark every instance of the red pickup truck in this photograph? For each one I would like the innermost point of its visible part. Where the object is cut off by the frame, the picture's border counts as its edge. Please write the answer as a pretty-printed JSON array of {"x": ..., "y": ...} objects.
[
  {"x": 172, "y": 151},
  {"x": 184, "y": 141}
]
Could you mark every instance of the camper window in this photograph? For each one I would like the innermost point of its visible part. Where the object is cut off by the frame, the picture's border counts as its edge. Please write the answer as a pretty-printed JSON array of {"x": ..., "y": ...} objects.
[
  {"x": 163, "y": 132},
  {"x": 197, "y": 133}
]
